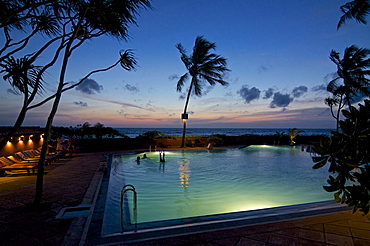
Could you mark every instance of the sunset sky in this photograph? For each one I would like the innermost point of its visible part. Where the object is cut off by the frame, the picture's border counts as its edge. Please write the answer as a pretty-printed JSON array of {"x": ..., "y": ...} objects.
[{"x": 277, "y": 51}]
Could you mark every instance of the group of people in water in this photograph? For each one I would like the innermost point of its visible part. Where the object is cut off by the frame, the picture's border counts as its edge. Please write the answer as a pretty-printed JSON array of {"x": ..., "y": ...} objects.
[{"x": 161, "y": 157}]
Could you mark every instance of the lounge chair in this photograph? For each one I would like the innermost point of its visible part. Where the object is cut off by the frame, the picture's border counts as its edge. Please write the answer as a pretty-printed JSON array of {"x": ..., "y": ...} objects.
[
  {"x": 27, "y": 156},
  {"x": 22, "y": 162},
  {"x": 198, "y": 143},
  {"x": 190, "y": 143},
  {"x": 8, "y": 165}
]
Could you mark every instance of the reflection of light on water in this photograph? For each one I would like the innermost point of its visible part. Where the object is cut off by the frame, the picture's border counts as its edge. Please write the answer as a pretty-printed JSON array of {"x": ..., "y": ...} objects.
[
  {"x": 184, "y": 173},
  {"x": 253, "y": 205}
]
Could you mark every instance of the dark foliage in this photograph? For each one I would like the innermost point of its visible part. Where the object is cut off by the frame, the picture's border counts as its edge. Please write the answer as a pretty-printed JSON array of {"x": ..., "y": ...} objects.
[{"x": 347, "y": 153}]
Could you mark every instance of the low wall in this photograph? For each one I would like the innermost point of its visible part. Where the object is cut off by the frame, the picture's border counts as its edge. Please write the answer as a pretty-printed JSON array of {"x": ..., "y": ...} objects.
[{"x": 16, "y": 146}]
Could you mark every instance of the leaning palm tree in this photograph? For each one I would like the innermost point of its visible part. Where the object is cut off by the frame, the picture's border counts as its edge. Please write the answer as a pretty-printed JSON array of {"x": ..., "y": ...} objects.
[
  {"x": 351, "y": 80},
  {"x": 202, "y": 66},
  {"x": 357, "y": 9}
]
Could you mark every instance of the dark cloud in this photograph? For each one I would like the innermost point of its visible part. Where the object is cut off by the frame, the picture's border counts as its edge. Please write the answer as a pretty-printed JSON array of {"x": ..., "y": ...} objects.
[
  {"x": 131, "y": 88},
  {"x": 249, "y": 94},
  {"x": 82, "y": 104},
  {"x": 299, "y": 91},
  {"x": 280, "y": 100},
  {"x": 89, "y": 86},
  {"x": 319, "y": 88},
  {"x": 263, "y": 68},
  {"x": 206, "y": 90},
  {"x": 10, "y": 91},
  {"x": 182, "y": 96},
  {"x": 173, "y": 77},
  {"x": 268, "y": 93},
  {"x": 190, "y": 112}
]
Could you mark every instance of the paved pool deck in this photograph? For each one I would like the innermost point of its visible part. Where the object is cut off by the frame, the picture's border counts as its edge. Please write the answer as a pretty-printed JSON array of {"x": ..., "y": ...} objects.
[{"x": 73, "y": 181}]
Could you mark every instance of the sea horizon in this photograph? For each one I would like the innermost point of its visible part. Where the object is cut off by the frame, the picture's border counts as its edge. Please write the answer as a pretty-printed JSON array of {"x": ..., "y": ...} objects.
[{"x": 134, "y": 132}]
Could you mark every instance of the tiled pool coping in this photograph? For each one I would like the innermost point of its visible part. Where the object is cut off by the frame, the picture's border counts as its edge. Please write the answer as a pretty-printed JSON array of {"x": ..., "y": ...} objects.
[{"x": 171, "y": 228}]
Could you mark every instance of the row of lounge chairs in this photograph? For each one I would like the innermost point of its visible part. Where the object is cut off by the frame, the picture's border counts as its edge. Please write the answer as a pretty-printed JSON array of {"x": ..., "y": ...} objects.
[{"x": 26, "y": 160}]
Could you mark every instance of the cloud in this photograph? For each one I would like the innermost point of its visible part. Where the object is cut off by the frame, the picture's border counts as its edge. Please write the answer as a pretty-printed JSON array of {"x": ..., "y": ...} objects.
[
  {"x": 268, "y": 93},
  {"x": 10, "y": 91},
  {"x": 319, "y": 88},
  {"x": 173, "y": 77},
  {"x": 82, "y": 104},
  {"x": 280, "y": 100},
  {"x": 182, "y": 96},
  {"x": 299, "y": 91},
  {"x": 263, "y": 68},
  {"x": 89, "y": 86},
  {"x": 132, "y": 88},
  {"x": 249, "y": 94}
]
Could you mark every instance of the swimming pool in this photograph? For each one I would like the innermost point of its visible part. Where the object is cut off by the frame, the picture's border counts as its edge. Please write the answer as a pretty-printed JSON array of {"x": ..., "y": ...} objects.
[{"x": 194, "y": 186}]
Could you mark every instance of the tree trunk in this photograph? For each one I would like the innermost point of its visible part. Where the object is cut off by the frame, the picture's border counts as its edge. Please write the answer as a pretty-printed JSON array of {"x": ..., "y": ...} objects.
[
  {"x": 185, "y": 108},
  {"x": 58, "y": 95},
  {"x": 183, "y": 134},
  {"x": 41, "y": 164}
]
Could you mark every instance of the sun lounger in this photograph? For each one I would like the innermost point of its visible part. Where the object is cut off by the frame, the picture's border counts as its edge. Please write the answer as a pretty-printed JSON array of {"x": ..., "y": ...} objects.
[
  {"x": 198, "y": 143},
  {"x": 21, "y": 162},
  {"x": 8, "y": 165},
  {"x": 190, "y": 143},
  {"x": 23, "y": 157},
  {"x": 30, "y": 157}
]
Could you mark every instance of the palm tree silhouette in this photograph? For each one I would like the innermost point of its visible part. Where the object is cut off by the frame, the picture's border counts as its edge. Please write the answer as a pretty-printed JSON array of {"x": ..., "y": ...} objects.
[
  {"x": 351, "y": 80},
  {"x": 357, "y": 9},
  {"x": 202, "y": 66}
]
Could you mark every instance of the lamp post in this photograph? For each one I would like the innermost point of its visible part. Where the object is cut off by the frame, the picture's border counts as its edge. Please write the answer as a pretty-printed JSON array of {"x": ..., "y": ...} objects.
[{"x": 184, "y": 117}]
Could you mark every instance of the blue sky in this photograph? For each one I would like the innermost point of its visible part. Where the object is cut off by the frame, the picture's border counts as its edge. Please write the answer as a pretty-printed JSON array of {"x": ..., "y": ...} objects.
[{"x": 277, "y": 52}]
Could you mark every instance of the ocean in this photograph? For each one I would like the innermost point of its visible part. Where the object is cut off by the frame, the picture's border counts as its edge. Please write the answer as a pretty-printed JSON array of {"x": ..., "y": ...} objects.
[{"x": 134, "y": 132}]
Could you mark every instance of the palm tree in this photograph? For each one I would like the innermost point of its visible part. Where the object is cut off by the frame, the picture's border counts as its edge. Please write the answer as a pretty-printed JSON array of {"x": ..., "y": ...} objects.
[
  {"x": 351, "y": 80},
  {"x": 293, "y": 133},
  {"x": 357, "y": 9},
  {"x": 202, "y": 66}
]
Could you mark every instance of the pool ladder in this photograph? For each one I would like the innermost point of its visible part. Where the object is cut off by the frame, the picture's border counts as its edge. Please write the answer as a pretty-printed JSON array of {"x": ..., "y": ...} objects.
[{"x": 125, "y": 189}]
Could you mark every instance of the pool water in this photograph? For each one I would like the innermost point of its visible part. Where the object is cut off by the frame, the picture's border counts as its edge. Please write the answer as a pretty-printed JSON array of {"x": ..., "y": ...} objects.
[{"x": 199, "y": 183}]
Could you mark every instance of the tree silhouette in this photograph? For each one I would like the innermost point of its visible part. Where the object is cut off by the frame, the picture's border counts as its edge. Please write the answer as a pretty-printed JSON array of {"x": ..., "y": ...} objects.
[
  {"x": 357, "y": 9},
  {"x": 64, "y": 27},
  {"x": 202, "y": 66},
  {"x": 351, "y": 80}
]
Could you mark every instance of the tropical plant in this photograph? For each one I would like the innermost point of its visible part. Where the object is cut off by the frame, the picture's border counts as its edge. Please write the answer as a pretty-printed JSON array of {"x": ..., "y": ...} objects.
[
  {"x": 216, "y": 140},
  {"x": 293, "y": 133},
  {"x": 65, "y": 26},
  {"x": 202, "y": 66},
  {"x": 357, "y": 9},
  {"x": 351, "y": 81},
  {"x": 348, "y": 153}
]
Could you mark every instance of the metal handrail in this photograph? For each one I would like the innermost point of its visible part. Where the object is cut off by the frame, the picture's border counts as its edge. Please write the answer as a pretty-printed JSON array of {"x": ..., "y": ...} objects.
[{"x": 124, "y": 190}]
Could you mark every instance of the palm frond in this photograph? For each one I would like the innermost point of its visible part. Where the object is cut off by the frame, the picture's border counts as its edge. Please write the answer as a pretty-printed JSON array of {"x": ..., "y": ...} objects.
[
  {"x": 182, "y": 81},
  {"x": 127, "y": 60},
  {"x": 357, "y": 9}
]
